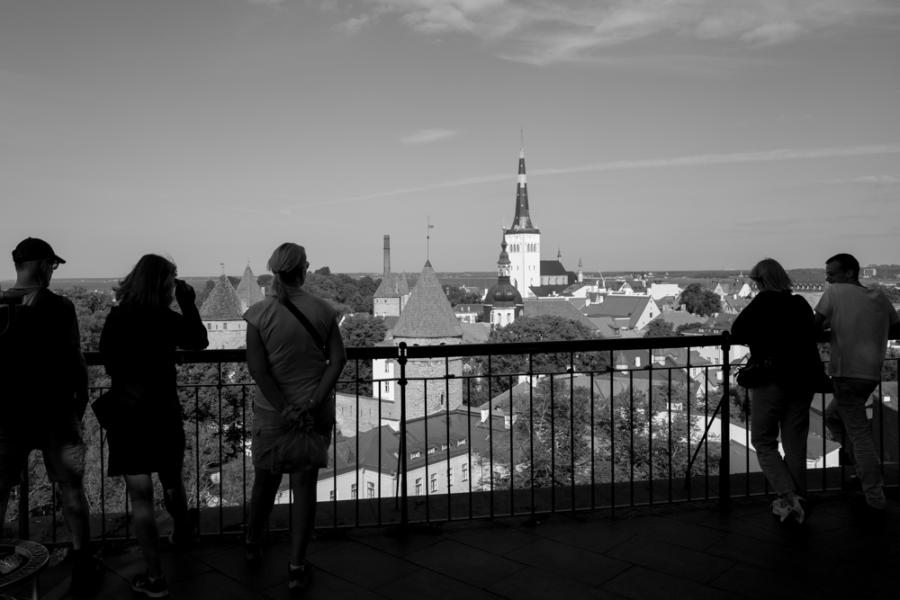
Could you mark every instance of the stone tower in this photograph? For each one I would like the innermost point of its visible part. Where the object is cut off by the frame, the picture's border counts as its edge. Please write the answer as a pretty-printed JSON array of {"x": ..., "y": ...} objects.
[{"x": 523, "y": 240}]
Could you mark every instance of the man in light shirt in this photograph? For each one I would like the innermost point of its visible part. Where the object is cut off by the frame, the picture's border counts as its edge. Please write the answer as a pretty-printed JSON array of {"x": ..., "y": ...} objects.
[{"x": 860, "y": 320}]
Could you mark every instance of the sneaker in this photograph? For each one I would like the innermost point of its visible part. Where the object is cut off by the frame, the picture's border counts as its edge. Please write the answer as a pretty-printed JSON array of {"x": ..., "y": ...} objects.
[
  {"x": 782, "y": 509},
  {"x": 87, "y": 576},
  {"x": 150, "y": 588},
  {"x": 299, "y": 578}
]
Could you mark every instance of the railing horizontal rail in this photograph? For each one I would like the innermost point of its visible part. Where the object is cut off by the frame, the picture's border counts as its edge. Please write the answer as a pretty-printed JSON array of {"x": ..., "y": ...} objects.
[{"x": 500, "y": 436}]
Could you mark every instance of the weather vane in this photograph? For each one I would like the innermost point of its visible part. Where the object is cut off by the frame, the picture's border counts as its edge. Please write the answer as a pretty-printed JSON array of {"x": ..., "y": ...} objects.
[{"x": 428, "y": 228}]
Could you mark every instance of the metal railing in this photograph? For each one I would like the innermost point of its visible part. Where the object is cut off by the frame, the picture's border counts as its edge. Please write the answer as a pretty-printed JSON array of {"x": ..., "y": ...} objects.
[{"x": 447, "y": 432}]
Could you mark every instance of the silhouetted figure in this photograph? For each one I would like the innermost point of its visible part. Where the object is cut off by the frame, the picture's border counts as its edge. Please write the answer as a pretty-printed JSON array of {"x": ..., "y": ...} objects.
[
  {"x": 860, "y": 320},
  {"x": 43, "y": 398},
  {"x": 138, "y": 345},
  {"x": 780, "y": 330},
  {"x": 295, "y": 376}
]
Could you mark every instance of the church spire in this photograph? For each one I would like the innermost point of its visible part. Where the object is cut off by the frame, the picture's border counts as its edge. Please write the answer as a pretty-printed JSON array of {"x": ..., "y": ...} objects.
[
  {"x": 522, "y": 220},
  {"x": 503, "y": 262}
]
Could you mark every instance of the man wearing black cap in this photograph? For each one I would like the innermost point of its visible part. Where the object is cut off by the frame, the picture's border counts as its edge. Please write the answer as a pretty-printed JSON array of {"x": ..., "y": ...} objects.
[{"x": 43, "y": 399}]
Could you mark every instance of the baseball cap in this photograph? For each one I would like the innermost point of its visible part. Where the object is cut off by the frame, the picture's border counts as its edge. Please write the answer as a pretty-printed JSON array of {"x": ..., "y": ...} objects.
[{"x": 34, "y": 249}]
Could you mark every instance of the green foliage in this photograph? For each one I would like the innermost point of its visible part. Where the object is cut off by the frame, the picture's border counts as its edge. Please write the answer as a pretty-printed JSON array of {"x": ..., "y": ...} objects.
[
  {"x": 536, "y": 329},
  {"x": 460, "y": 295},
  {"x": 892, "y": 292},
  {"x": 348, "y": 294},
  {"x": 659, "y": 328},
  {"x": 564, "y": 439},
  {"x": 700, "y": 301},
  {"x": 91, "y": 309},
  {"x": 361, "y": 331}
]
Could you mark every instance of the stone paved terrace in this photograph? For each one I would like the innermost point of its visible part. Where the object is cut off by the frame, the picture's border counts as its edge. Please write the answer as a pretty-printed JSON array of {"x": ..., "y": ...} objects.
[{"x": 677, "y": 551}]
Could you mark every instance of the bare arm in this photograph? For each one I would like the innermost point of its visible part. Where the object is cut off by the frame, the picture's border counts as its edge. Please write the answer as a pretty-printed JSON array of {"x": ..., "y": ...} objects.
[{"x": 258, "y": 364}]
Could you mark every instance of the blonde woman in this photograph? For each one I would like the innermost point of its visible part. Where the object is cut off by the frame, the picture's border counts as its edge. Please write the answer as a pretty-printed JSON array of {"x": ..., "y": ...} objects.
[{"x": 295, "y": 355}]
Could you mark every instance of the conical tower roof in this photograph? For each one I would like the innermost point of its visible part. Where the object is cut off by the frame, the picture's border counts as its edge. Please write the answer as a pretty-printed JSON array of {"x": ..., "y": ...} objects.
[
  {"x": 222, "y": 304},
  {"x": 522, "y": 220},
  {"x": 249, "y": 293},
  {"x": 428, "y": 313}
]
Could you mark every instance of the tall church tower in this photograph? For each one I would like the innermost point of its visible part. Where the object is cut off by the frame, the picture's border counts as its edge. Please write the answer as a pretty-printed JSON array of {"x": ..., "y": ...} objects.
[{"x": 523, "y": 240}]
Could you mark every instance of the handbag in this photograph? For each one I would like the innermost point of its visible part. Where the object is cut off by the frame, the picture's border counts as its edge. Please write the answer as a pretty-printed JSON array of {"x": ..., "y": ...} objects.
[{"x": 756, "y": 373}]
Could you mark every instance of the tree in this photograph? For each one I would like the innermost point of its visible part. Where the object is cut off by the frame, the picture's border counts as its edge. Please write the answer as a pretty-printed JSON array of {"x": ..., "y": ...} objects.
[
  {"x": 362, "y": 331},
  {"x": 561, "y": 438},
  {"x": 460, "y": 295},
  {"x": 505, "y": 367},
  {"x": 700, "y": 301},
  {"x": 91, "y": 309},
  {"x": 659, "y": 328}
]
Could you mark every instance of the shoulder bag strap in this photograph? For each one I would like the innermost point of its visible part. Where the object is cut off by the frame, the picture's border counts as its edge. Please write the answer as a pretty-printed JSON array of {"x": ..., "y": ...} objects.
[{"x": 320, "y": 344}]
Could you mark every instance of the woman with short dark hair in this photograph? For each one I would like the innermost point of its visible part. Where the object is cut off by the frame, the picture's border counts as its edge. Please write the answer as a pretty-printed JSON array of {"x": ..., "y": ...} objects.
[
  {"x": 295, "y": 355},
  {"x": 138, "y": 345},
  {"x": 779, "y": 328}
]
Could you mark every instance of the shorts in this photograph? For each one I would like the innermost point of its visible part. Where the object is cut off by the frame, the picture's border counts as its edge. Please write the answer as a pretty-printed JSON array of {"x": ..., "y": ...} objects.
[{"x": 63, "y": 451}]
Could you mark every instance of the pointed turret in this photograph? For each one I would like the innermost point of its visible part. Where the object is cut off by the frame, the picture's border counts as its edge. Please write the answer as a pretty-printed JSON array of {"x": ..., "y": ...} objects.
[
  {"x": 249, "y": 293},
  {"x": 223, "y": 303},
  {"x": 428, "y": 313},
  {"x": 522, "y": 220}
]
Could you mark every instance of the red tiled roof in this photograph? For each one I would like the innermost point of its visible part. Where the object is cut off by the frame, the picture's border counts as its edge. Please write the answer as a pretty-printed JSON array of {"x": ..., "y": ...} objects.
[{"x": 222, "y": 304}]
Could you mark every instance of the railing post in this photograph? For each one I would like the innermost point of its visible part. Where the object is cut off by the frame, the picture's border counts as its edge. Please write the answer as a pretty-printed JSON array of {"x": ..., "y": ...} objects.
[
  {"x": 404, "y": 494},
  {"x": 725, "y": 420}
]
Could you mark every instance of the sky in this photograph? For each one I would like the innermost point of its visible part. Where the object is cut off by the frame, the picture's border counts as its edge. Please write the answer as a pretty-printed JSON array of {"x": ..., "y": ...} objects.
[{"x": 659, "y": 134}]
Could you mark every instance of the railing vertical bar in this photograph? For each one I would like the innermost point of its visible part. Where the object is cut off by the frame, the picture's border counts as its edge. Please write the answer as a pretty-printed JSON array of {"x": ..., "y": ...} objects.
[
  {"x": 650, "y": 424},
  {"x": 512, "y": 460},
  {"x": 425, "y": 449},
  {"x": 705, "y": 424},
  {"x": 469, "y": 447},
  {"x": 243, "y": 409},
  {"x": 359, "y": 490},
  {"x": 593, "y": 435},
  {"x": 669, "y": 434},
  {"x": 404, "y": 492},
  {"x": 612, "y": 436},
  {"x": 725, "y": 419},
  {"x": 102, "y": 484},
  {"x": 197, "y": 445},
  {"x": 379, "y": 517},
  {"x": 220, "y": 434},
  {"x": 552, "y": 444},
  {"x": 449, "y": 464},
  {"x": 531, "y": 430},
  {"x": 631, "y": 435},
  {"x": 690, "y": 423},
  {"x": 490, "y": 426},
  {"x": 572, "y": 426}
]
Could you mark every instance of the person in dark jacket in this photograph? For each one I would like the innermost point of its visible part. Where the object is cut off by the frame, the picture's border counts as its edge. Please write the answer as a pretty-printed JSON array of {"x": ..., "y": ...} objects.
[
  {"x": 779, "y": 328},
  {"x": 43, "y": 398},
  {"x": 138, "y": 345}
]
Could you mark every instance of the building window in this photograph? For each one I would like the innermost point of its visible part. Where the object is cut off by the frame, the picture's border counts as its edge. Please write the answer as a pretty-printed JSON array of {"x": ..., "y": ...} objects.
[
  {"x": 460, "y": 442},
  {"x": 432, "y": 450},
  {"x": 370, "y": 490},
  {"x": 415, "y": 454},
  {"x": 464, "y": 471},
  {"x": 387, "y": 367},
  {"x": 353, "y": 491},
  {"x": 418, "y": 486},
  {"x": 209, "y": 326},
  {"x": 387, "y": 387},
  {"x": 434, "y": 482},
  {"x": 450, "y": 475},
  {"x": 331, "y": 495},
  {"x": 225, "y": 325}
]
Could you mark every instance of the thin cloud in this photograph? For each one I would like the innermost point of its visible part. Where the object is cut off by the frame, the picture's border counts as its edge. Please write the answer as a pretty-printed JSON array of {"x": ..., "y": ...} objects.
[
  {"x": 542, "y": 32},
  {"x": 873, "y": 180},
  {"x": 354, "y": 25},
  {"x": 656, "y": 163},
  {"x": 427, "y": 136}
]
